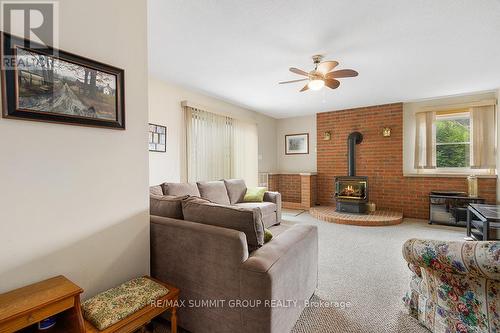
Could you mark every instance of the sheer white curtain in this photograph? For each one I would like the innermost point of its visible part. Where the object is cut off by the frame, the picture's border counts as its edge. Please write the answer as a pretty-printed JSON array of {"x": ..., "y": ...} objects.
[
  {"x": 245, "y": 152},
  {"x": 425, "y": 140},
  {"x": 209, "y": 145},
  {"x": 483, "y": 137},
  {"x": 220, "y": 147}
]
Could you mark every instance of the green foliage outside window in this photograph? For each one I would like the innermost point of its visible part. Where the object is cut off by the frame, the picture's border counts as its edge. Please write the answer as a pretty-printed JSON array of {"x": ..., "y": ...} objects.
[{"x": 453, "y": 142}]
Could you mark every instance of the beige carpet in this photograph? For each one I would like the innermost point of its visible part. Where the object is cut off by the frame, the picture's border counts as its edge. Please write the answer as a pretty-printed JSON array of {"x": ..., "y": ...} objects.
[{"x": 362, "y": 266}]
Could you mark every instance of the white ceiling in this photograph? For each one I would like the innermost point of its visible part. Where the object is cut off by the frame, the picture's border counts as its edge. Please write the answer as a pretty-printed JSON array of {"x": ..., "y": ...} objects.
[{"x": 403, "y": 49}]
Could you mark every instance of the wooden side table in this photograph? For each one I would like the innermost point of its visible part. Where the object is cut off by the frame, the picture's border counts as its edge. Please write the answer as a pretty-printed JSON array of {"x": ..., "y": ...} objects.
[
  {"x": 23, "y": 308},
  {"x": 139, "y": 319}
]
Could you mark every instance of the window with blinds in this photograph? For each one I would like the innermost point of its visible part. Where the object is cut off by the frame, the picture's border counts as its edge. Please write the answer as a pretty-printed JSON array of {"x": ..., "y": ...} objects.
[{"x": 220, "y": 147}]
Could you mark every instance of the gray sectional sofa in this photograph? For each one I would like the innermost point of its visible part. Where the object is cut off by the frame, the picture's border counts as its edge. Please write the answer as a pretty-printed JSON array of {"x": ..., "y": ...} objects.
[
  {"x": 230, "y": 279},
  {"x": 227, "y": 192}
]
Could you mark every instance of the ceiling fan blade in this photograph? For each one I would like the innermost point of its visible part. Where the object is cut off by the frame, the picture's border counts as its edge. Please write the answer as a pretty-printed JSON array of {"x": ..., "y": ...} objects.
[
  {"x": 341, "y": 73},
  {"x": 332, "y": 83},
  {"x": 292, "y": 81},
  {"x": 298, "y": 71},
  {"x": 305, "y": 88},
  {"x": 327, "y": 66}
]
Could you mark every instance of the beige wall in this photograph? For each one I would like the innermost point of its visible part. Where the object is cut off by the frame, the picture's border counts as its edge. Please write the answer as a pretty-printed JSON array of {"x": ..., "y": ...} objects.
[
  {"x": 409, "y": 110},
  {"x": 296, "y": 163},
  {"x": 498, "y": 146},
  {"x": 74, "y": 200},
  {"x": 165, "y": 109}
]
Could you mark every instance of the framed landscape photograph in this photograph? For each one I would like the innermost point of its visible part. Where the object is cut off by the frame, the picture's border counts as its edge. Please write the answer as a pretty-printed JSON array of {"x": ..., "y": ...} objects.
[
  {"x": 157, "y": 138},
  {"x": 46, "y": 84},
  {"x": 296, "y": 144}
]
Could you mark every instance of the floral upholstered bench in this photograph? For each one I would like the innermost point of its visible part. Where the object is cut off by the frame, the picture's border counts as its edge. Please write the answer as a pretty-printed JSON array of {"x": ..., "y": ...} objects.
[{"x": 130, "y": 306}]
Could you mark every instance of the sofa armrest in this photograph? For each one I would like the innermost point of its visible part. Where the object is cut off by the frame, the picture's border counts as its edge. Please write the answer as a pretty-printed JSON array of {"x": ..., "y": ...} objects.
[
  {"x": 479, "y": 259},
  {"x": 293, "y": 253},
  {"x": 264, "y": 258},
  {"x": 274, "y": 197},
  {"x": 286, "y": 268},
  {"x": 196, "y": 256}
]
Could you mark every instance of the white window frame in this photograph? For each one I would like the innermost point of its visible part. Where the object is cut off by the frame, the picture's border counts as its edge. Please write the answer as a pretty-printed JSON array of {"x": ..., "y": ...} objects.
[{"x": 451, "y": 116}]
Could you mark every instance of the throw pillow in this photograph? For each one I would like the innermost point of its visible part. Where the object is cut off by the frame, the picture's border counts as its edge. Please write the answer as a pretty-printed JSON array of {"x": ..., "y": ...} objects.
[
  {"x": 236, "y": 189},
  {"x": 268, "y": 235},
  {"x": 255, "y": 194},
  {"x": 181, "y": 189},
  {"x": 214, "y": 191},
  {"x": 248, "y": 221},
  {"x": 156, "y": 190},
  {"x": 166, "y": 206}
]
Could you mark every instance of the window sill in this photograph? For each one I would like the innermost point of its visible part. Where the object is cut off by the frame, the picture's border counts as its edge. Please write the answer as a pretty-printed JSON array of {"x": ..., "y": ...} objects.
[{"x": 447, "y": 175}]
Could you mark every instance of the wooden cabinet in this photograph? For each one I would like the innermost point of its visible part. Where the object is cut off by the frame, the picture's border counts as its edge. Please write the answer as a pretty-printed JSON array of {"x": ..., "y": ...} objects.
[{"x": 23, "y": 308}]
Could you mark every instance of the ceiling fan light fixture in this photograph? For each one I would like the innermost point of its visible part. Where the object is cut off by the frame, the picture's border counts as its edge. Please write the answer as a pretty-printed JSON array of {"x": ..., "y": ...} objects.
[{"x": 316, "y": 84}]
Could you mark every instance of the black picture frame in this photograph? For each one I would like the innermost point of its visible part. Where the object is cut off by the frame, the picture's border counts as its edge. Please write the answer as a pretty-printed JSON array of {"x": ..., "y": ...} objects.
[
  {"x": 10, "y": 81},
  {"x": 157, "y": 138}
]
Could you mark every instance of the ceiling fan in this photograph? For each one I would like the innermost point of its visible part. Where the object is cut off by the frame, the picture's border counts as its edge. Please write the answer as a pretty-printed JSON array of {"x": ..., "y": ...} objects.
[{"x": 322, "y": 74}]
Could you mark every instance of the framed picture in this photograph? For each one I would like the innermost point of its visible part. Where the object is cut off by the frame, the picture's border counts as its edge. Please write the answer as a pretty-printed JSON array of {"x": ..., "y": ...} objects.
[
  {"x": 45, "y": 84},
  {"x": 157, "y": 138},
  {"x": 296, "y": 144}
]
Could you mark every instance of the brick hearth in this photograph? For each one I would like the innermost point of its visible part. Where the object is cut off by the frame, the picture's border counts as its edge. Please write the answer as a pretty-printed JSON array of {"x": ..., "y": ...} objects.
[{"x": 378, "y": 218}]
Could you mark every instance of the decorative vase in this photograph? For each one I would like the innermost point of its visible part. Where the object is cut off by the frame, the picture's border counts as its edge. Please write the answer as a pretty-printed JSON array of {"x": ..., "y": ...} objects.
[{"x": 472, "y": 186}]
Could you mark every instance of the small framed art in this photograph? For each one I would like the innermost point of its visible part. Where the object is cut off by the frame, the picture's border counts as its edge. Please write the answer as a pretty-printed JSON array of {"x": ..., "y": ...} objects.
[
  {"x": 296, "y": 144},
  {"x": 157, "y": 138}
]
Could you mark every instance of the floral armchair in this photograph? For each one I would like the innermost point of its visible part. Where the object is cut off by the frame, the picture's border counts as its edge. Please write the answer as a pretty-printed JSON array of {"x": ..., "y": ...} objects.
[{"x": 455, "y": 286}]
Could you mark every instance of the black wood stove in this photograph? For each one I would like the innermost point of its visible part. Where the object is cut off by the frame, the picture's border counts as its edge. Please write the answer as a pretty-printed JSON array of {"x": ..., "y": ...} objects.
[{"x": 351, "y": 192}]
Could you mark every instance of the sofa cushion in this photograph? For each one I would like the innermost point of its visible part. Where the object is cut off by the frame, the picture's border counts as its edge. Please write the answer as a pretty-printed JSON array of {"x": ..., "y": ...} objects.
[
  {"x": 267, "y": 210},
  {"x": 156, "y": 190},
  {"x": 248, "y": 221},
  {"x": 265, "y": 207},
  {"x": 214, "y": 191},
  {"x": 166, "y": 206},
  {"x": 181, "y": 189},
  {"x": 278, "y": 229},
  {"x": 236, "y": 189}
]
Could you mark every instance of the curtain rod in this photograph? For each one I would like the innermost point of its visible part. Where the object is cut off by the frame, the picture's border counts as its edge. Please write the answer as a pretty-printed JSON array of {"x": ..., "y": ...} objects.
[
  {"x": 190, "y": 104},
  {"x": 486, "y": 102}
]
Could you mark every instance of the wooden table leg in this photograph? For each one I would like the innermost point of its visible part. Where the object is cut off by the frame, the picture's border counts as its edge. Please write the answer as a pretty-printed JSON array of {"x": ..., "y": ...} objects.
[
  {"x": 173, "y": 320},
  {"x": 78, "y": 315}
]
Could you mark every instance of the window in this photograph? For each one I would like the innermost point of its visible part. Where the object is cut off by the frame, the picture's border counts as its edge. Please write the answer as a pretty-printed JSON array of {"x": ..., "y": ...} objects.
[
  {"x": 220, "y": 147},
  {"x": 458, "y": 141},
  {"x": 453, "y": 140}
]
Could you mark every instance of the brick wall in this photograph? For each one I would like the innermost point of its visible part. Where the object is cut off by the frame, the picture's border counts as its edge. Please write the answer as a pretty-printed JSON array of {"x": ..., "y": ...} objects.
[
  {"x": 273, "y": 183},
  {"x": 297, "y": 191},
  {"x": 288, "y": 185},
  {"x": 381, "y": 159}
]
